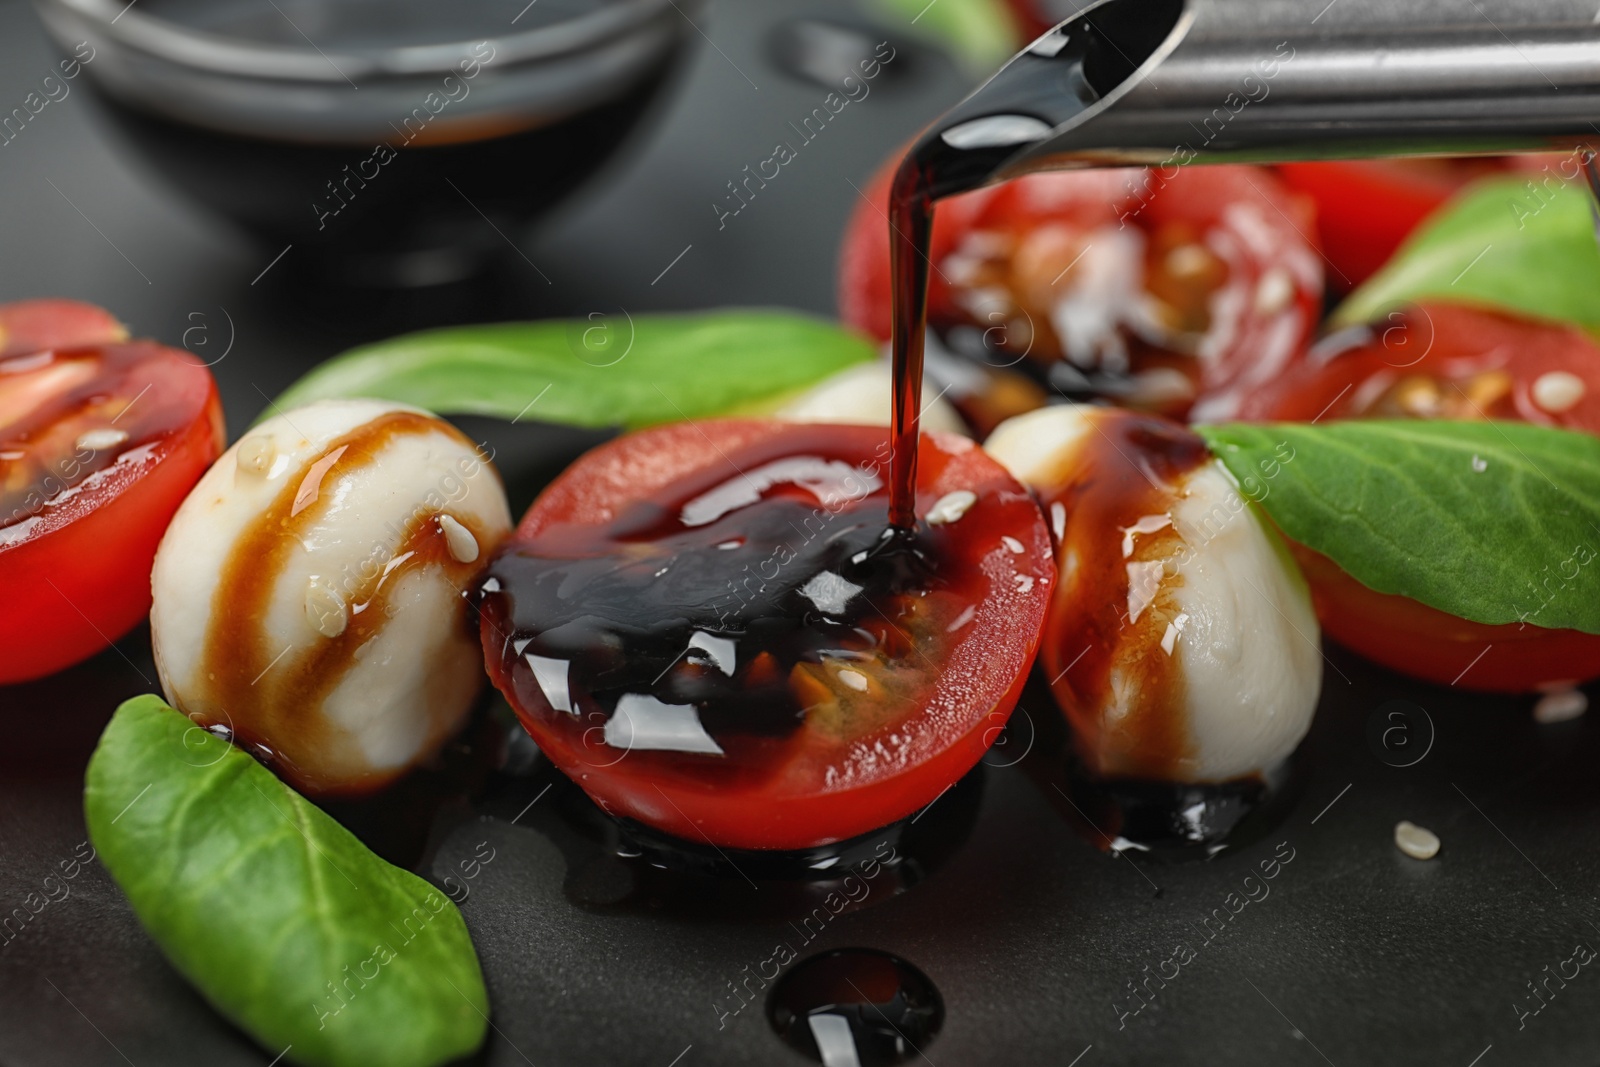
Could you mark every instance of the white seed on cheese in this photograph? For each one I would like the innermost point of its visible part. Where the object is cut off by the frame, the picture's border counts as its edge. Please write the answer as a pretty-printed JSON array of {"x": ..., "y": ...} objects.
[
  {"x": 325, "y": 611},
  {"x": 463, "y": 546}
]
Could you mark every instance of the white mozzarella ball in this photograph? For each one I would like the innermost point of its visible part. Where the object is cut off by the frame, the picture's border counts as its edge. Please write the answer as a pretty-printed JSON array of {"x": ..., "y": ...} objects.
[
  {"x": 863, "y": 395},
  {"x": 1181, "y": 643},
  {"x": 310, "y": 593}
]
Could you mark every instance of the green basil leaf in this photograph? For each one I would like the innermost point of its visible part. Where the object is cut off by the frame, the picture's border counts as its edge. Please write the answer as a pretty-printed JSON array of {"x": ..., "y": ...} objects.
[
  {"x": 629, "y": 371},
  {"x": 1492, "y": 522},
  {"x": 1526, "y": 246},
  {"x": 277, "y": 914},
  {"x": 979, "y": 34}
]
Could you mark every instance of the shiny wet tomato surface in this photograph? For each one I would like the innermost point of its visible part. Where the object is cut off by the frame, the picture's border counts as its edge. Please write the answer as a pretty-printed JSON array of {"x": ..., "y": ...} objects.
[
  {"x": 100, "y": 440},
  {"x": 712, "y": 630}
]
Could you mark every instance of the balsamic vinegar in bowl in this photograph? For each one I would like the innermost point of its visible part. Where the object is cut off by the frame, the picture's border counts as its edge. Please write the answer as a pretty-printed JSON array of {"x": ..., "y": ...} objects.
[{"x": 376, "y": 137}]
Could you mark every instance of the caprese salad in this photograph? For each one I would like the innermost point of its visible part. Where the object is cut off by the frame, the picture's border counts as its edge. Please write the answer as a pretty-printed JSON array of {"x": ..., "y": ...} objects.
[{"x": 1155, "y": 482}]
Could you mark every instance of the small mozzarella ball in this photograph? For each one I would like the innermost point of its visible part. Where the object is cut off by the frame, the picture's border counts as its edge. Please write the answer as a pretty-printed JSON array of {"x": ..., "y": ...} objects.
[
  {"x": 309, "y": 593},
  {"x": 1181, "y": 641},
  {"x": 1040, "y": 447},
  {"x": 863, "y": 395}
]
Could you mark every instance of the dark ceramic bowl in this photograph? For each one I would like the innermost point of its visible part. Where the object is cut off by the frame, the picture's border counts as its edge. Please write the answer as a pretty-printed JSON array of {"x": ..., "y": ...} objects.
[{"x": 399, "y": 143}]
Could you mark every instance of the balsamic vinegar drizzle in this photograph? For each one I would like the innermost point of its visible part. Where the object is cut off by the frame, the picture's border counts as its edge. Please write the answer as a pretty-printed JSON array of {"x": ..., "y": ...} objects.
[
  {"x": 1054, "y": 81},
  {"x": 651, "y": 624}
]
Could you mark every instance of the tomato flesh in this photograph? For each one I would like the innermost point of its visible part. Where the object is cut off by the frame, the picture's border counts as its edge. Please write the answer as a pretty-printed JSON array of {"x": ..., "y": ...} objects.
[
  {"x": 1443, "y": 361},
  {"x": 706, "y": 627},
  {"x": 99, "y": 444},
  {"x": 1143, "y": 287},
  {"x": 1439, "y": 360}
]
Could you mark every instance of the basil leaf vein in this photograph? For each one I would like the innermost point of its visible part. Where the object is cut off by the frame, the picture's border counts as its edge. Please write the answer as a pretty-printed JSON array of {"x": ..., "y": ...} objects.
[
  {"x": 1492, "y": 522},
  {"x": 281, "y": 918}
]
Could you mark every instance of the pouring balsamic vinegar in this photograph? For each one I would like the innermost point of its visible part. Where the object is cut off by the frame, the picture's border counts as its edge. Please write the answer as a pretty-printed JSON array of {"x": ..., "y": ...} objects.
[{"x": 1133, "y": 82}]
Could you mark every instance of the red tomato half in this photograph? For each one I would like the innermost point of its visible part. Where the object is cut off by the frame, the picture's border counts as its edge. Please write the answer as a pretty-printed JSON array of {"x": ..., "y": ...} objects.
[
  {"x": 1144, "y": 287},
  {"x": 99, "y": 444},
  {"x": 34, "y": 325},
  {"x": 1367, "y": 207},
  {"x": 1034, "y": 17},
  {"x": 1438, "y": 360},
  {"x": 704, "y": 626},
  {"x": 1445, "y": 361}
]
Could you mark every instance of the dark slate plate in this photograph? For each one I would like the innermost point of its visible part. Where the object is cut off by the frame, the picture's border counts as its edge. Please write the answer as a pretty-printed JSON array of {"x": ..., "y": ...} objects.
[{"x": 1030, "y": 933}]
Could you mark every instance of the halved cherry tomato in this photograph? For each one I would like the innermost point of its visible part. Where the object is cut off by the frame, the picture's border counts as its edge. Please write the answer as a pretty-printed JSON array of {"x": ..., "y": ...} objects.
[
  {"x": 100, "y": 442},
  {"x": 1438, "y": 360},
  {"x": 1367, "y": 207},
  {"x": 1144, "y": 287},
  {"x": 705, "y": 626},
  {"x": 34, "y": 325},
  {"x": 1444, "y": 361}
]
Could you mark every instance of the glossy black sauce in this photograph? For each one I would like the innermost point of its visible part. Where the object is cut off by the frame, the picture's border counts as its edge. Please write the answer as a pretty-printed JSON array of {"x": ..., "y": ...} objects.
[
  {"x": 717, "y": 615},
  {"x": 620, "y": 867},
  {"x": 856, "y": 1006},
  {"x": 1172, "y": 820},
  {"x": 1061, "y": 75},
  {"x": 1145, "y": 819}
]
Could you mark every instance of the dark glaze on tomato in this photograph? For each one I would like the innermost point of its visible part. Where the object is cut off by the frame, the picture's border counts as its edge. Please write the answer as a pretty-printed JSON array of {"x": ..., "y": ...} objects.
[
  {"x": 99, "y": 444},
  {"x": 1110, "y": 508},
  {"x": 723, "y": 637},
  {"x": 50, "y": 401}
]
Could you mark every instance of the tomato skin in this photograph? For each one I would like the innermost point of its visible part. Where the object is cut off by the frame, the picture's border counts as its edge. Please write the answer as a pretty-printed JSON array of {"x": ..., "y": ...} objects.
[
  {"x": 1453, "y": 343},
  {"x": 788, "y": 808},
  {"x": 1273, "y": 236},
  {"x": 34, "y": 325},
  {"x": 1366, "y": 208},
  {"x": 78, "y": 577},
  {"x": 1030, "y": 18},
  {"x": 1423, "y": 642}
]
